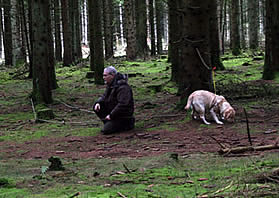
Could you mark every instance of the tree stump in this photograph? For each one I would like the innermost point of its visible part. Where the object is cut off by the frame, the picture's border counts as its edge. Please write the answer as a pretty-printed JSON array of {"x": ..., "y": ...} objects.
[
  {"x": 56, "y": 164},
  {"x": 45, "y": 114}
]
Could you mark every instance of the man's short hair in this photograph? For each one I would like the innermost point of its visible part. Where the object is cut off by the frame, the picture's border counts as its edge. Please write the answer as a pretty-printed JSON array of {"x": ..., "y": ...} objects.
[{"x": 111, "y": 70}]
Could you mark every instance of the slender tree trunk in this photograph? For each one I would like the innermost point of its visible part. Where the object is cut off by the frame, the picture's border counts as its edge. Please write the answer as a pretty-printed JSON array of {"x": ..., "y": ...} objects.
[
  {"x": 175, "y": 18},
  {"x": 130, "y": 29},
  {"x": 151, "y": 25},
  {"x": 271, "y": 64},
  {"x": 67, "y": 34},
  {"x": 76, "y": 31},
  {"x": 25, "y": 30},
  {"x": 31, "y": 39},
  {"x": 96, "y": 41},
  {"x": 57, "y": 32},
  {"x": 141, "y": 29},
  {"x": 108, "y": 27},
  {"x": 253, "y": 19},
  {"x": 214, "y": 37},
  {"x": 1, "y": 28},
  {"x": 159, "y": 24},
  {"x": 235, "y": 33},
  {"x": 41, "y": 52},
  {"x": 8, "y": 43}
]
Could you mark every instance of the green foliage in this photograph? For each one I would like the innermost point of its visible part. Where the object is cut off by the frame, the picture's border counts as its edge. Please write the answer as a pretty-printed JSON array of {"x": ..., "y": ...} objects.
[{"x": 191, "y": 175}]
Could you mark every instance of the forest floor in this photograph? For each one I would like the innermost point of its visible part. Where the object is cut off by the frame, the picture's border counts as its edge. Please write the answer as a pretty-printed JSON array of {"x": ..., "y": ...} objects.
[
  {"x": 161, "y": 128},
  {"x": 161, "y": 133}
]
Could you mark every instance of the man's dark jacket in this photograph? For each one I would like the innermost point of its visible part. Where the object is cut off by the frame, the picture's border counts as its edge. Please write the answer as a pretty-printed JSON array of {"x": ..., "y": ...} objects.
[{"x": 118, "y": 98}]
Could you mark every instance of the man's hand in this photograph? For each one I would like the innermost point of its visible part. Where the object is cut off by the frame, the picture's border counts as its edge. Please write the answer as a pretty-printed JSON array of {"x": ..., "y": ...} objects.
[
  {"x": 97, "y": 107},
  {"x": 108, "y": 117}
]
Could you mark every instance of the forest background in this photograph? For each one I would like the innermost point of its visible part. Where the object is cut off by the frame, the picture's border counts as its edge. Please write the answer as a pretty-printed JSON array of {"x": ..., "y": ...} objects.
[{"x": 54, "y": 53}]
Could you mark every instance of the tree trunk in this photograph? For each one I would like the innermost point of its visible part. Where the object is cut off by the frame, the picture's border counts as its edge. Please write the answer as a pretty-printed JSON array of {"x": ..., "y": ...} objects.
[
  {"x": 243, "y": 22},
  {"x": 76, "y": 31},
  {"x": 25, "y": 38},
  {"x": 174, "y": 36},
  {"x": 130, "y": 29},
  {"x": 8, "y": 43},
  {"x": 235, "y": 33},
  {"x": 108, "y": 27},
  {"x": 57, "y": 31},
  {"x": 214, "y": 37},
  {"x": 1, "y": 29},
  {"x": 31, "y": 39},
  {"x": 194, "y": 52},
  {"x": 253, "y": 19},
  {"x": 67, "y": 34},
  {"x": 151, "y": 27},
  {"x": 41, "y": 52},
  {"x": 159, "y": 24},
  {"x": 271, "y": 64},
  {"x": 96, "y": 41},
  {"x": 141, "y": 29}
]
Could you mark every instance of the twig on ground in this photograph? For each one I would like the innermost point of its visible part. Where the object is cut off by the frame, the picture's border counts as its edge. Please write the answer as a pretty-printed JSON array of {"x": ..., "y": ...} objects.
[
  {"x": 248, "y": 148},
  {"x": 121, "y": 195},
  {"x": 77, "y": 108},
  {"x": 222, "y": 146},
  {"x": 75, "y": 195},
  {"x": 64, "y": 122},
  {"x": 223, "y": 189},
  {"x": 34, "y": 111},
  {"x": 126, "y": 168},
  {"x": 248, "y": 129}
]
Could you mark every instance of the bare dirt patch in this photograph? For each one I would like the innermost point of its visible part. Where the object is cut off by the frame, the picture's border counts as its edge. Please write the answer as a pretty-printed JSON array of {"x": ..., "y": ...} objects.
[{"x": 188, "y": 137}]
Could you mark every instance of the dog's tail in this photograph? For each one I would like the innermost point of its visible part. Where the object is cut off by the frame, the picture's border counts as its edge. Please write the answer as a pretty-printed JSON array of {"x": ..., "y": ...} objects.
[{"x": 189, "y": 102}]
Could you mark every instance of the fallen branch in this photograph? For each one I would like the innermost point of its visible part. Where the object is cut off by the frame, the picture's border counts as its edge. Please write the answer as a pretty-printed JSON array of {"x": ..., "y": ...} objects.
[
  {"x": 248, "y": 129},
  {"x": 248, "y": 148},
  {"x": 220, "y": 144},
  {"x": 223, "y": 189},
  {"x": 126, "y": 168},
  {"x": 76, "y": 108},
  {"x": 34, "y": 111},
  {"x": 121, "y": 195}
]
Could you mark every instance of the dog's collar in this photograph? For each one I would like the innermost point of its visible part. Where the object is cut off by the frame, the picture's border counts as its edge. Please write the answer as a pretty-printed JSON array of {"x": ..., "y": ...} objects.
[{"x": 214, "y": 102}]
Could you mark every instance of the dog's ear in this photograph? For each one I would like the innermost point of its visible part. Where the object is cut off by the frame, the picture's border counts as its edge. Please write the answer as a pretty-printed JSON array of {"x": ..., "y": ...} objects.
[{"x": 230, "y": 114}]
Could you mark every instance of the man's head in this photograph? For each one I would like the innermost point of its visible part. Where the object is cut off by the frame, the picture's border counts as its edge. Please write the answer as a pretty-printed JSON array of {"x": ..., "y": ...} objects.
[{"x": 109, "y": 73}]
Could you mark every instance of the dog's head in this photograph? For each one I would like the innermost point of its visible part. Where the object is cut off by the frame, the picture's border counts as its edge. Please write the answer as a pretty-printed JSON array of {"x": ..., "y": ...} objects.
[{"x": 229, "y": 114}]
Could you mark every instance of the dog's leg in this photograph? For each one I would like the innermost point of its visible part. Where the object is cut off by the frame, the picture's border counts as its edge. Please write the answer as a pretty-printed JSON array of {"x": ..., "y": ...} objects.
[
  {"x": 200, "y": 110},
  {"x": 215, "y": 116},
  {"x": 203, "y": 119}
]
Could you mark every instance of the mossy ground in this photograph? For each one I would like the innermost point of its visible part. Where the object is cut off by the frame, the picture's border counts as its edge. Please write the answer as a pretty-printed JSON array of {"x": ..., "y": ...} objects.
[{"x": 136, "y": 164}]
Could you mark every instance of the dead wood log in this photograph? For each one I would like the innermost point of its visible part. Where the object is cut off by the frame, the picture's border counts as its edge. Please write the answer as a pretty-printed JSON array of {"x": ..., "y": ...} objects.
[{"x": 248, "y": 148}]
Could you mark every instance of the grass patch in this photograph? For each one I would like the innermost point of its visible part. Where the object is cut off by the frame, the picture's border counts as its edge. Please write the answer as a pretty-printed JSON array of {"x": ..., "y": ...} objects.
[{"x": 161, "y": 176}]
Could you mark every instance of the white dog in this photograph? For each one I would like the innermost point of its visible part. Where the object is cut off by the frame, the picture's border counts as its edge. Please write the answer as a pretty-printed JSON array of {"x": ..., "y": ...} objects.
[{"x": 203, "y": 101}]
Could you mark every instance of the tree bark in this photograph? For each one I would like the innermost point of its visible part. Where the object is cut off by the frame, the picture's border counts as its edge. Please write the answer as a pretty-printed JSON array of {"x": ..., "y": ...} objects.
[
  {"x": 96, "y": 41},
  {"x": 57, "y": 30},
  {"x": 8, "y": 40},
  {"x": 271, "y": 64},
  {"x": 67, "y": 34},
  {"x": 152, "y": 27},
  {"x": 141, "y": 29},
  {"x": 41, "y": 52},
  {"x": 159, "y": 24},
  {"x": 235, "y": 33},
  {"x": 108, "y": 27},
  {"x": 130, "y": 29},
  {"x": 194, "y": 57},
  {"x": 253, "y": 19}
]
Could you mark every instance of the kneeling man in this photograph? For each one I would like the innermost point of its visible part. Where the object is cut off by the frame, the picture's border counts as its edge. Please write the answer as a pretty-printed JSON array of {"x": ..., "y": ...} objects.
[{"x": 116, "y": 107}]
